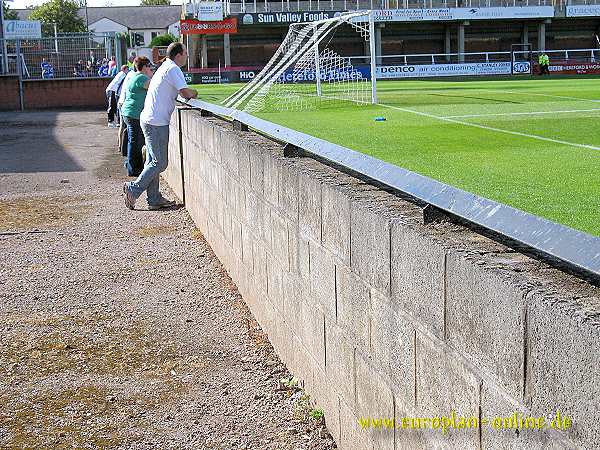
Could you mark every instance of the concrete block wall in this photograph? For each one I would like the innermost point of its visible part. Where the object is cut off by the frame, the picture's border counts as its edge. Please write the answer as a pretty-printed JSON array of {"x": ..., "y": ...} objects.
[{"x": 381, "y": 316}]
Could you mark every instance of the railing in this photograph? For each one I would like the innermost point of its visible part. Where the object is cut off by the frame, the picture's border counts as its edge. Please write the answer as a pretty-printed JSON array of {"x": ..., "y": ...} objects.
[
  {"x": 74, "y": 56},
  {"x": 582, "y": 55},
  {"x": 568, "y": 249},
  {"x": 255, "y": 6}
]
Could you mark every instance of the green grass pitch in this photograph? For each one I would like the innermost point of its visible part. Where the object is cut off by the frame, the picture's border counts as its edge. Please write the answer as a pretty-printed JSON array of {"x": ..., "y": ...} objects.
[{"x": 533, "y": 144}]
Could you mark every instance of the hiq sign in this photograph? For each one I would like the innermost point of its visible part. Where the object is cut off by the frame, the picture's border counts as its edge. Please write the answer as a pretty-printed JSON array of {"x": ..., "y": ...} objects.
[{"x": 326, "y": 75}]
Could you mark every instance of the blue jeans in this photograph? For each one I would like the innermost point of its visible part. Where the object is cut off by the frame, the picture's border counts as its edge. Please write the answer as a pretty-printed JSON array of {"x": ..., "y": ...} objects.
[
  {"x": 135, "y": 142},
  {"x": 157, "y": 160}
]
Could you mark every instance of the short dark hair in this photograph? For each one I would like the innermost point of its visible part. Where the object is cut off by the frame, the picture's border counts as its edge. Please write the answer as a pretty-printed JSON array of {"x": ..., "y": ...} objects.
[
  {"x": 140, "y": 62},
  {"x": 124, "y": 67},
  {"x": 174, "y": 49}
]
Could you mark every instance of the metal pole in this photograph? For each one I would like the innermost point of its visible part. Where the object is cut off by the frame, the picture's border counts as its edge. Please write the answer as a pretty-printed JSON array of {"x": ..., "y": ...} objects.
[
  {"x": 20, "y": 73},
  {"x": 4, "y": 55},
  {"x": 372, "y": 51},
  {"x": 317, "y": 62}
]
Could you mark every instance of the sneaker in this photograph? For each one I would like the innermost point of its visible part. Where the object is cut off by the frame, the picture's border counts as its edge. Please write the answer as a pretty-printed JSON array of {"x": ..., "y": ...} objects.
[
  {"x": 110, "y": 125},
  {"x": 129, "y": 198},
  {"x": 163, "y": 203}
]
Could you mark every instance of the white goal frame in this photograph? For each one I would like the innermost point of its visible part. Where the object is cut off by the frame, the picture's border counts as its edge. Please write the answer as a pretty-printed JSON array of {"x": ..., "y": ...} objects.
[{"x": 293, "y": 49}]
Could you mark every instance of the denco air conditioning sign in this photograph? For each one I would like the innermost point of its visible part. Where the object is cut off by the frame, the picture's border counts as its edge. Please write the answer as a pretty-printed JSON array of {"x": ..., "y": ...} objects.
[{"x": 444, "y": 70}]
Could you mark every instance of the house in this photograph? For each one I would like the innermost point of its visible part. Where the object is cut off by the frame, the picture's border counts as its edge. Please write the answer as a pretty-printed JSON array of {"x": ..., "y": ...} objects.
[{"x": 142, "y": 22}]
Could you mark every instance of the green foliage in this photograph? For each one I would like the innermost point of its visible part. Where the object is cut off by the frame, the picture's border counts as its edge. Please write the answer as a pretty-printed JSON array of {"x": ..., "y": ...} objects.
[
  {"x": 61, "y": 12},
  {"x": 162, "y": 40},
  {"x": 316, "y": 414},
  {"x": 155, "y": 2},
  {"x": 9, "y": 14}
]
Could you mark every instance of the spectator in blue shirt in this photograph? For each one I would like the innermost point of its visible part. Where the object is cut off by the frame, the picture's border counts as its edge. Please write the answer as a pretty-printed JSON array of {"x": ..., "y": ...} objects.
[
  {"x": 47, "y": 69},
  {"x": 103, "y": 69}
]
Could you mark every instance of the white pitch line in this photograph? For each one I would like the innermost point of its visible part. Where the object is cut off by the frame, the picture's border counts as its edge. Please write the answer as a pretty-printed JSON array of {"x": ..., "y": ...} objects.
[
  {"x": 484, "y": 127},
  {"x": 531, "y": 113},
  {"x": 500, "y": 91}
]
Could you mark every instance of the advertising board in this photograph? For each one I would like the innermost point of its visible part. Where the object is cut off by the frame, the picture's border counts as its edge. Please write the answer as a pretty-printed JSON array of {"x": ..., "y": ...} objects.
[
  {"x": 443, "y": 70},
  {"x": 191, "y": 26}
]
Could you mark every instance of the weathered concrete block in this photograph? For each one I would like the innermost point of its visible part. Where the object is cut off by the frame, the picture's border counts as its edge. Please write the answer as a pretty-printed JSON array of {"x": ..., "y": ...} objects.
[
  {"x": 289, "y": 191},
  {"x": 312, "y": 334},
  {"x": 257, "y": 170},
  {"x": 247, "y": 242},
  {"x": 325, "y": 397},
  {"x": 506, "y": 424},
  {"x": 236, "y": 239},
  {"x": 353, "y": 306},
  {"x": 271, "y": 177},
  {"x": 339, "y": 362},
  {"x": 322, "y": 279},
  {"x": 375, "y": 400},
  {"x": 393, "y": 347},
  {"x": 279, "y": 232},
  {"x": 309, "y": 204},
  {"x": 275, "y": 284},
  {"x": 445, "y": 384},
  {"x": 418, "y": 270},
  {"x": 352, "y": 435},
  {"x": 336, "y": 222},
  {"x": 370, "y": 245},
  {"x": 255, "y": 214},
  {"x": 260, "y": 266},
  {"x": 485, "y": 318},
  {"x": 243, "y": 163},
  {"x": 563, "y": 363}
]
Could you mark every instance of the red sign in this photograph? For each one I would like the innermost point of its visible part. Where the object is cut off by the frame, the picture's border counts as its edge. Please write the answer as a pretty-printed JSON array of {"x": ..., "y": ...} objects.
[
  {"x": 572, "y": 68},
  {"x": 226, "y": 26}
]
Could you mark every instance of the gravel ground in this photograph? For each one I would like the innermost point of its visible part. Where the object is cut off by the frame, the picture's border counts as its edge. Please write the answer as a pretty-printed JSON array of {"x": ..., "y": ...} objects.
[{"x": 118, "y": 328}]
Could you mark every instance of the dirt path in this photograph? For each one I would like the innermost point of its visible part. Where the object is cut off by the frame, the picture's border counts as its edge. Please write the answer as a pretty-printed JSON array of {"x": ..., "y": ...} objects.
[{"x": 120, "y": 329}]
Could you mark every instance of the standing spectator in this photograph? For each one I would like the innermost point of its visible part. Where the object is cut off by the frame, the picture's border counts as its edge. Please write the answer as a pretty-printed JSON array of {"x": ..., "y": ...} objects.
[
  {"x": 167, "y": 82},
  {"x": 79, "y": 69},
  {"x": 123, "y": 136},
  {"x": 114, "y": 70},
  {"x": 92, "y": 62},
  {"x": 112, "y": 63},
  {"x": 103, "y": 69},
  {"x": 131, "y": 59},
  {"x": 47, "y": 69},
  {"x": 112, "y": 93},
  {"x": 546, "y": 64},
  {"x": 135, "y": 93}
]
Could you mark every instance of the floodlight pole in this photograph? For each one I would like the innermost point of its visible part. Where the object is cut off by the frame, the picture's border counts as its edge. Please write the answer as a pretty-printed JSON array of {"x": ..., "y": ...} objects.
[
  {"x": 3, "y": 39},
  {"x": 372, "y": 49},
  {"x": 317, "y": 62}
]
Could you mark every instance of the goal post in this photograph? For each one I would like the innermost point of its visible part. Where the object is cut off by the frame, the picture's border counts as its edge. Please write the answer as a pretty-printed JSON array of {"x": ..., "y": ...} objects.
[{"x": 309, "y": 71}]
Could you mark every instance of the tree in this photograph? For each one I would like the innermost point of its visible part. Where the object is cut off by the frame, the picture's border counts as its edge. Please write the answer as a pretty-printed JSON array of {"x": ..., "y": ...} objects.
[
  {"x": 155, "y": 2},
  {"x": 9, "y": 14},
  {"x": 162, "y": 40},
  {"x": 64, "y": 13}
]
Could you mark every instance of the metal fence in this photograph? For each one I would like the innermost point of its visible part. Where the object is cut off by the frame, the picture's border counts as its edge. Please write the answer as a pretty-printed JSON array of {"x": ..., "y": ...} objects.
[{"x": 59, "y": 57}]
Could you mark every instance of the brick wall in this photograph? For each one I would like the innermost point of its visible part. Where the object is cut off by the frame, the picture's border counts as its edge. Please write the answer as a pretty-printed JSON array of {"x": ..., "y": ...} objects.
[
  {"x": 383, "y": 316},
  {"x": 9, "y": 93},
  {"x": 66, "y": 93},
  {"x": 59, "y": 93}
]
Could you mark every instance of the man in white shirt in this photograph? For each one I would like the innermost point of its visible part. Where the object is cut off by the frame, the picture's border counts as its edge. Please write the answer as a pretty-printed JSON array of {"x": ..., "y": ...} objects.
[
  {"x": 168, "y": 81},
  {"x": 112, "y": 94}
]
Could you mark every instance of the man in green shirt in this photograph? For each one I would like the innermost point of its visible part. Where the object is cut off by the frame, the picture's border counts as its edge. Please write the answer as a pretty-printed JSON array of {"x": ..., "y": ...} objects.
[{"x": 131, "y": 110}]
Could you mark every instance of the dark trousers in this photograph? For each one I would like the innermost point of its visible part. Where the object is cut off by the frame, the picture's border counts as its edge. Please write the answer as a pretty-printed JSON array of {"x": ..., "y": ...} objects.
[
  {"x": 135, "y": 142},
  {"x": 112, "y": 105}
]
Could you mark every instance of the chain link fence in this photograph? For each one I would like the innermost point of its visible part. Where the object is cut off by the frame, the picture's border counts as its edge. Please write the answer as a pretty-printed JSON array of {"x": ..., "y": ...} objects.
[{"x": 74, "y": 56}]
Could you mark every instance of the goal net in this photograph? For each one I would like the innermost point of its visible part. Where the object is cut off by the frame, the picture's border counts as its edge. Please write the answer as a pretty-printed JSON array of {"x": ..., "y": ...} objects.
[{"x": 309, "y": 71}]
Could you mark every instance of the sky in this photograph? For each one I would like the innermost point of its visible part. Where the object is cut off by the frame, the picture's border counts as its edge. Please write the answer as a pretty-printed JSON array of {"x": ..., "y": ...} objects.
[{"x": 22, "y": 4}]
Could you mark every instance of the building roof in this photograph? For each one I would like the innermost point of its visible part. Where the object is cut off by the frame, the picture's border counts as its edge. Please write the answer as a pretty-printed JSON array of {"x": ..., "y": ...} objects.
[{"x": 132, "y": 17}]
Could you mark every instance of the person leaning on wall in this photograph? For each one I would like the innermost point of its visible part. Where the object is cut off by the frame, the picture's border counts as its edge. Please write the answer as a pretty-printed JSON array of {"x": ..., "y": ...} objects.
[
  {"x": 135, "y": 95},
  {"x": 168, "y": 82}
]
